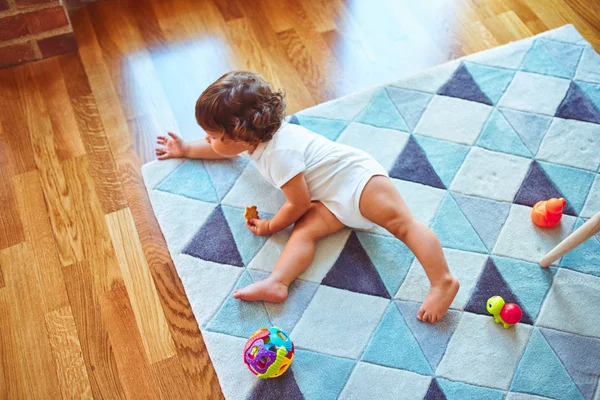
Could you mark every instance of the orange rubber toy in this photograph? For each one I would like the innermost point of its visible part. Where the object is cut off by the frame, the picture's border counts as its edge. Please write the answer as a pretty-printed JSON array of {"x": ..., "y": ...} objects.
[{"x": 547, "y": 213}]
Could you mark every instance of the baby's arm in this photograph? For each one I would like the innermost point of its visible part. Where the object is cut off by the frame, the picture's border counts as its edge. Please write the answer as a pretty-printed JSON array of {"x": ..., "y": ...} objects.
[
  {"x": 298, "y": 202},
  {"x": 175, "y": 147}
]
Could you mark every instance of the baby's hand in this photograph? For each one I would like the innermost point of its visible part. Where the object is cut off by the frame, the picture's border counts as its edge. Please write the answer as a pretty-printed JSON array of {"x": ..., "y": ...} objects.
[
  {"x": 173, "y": 147},
  {"x": 259, "y": 227}
]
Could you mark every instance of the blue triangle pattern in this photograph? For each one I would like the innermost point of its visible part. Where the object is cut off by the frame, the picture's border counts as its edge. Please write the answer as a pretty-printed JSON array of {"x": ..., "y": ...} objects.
[
  {"x": 579, "y": 355},
  {"x": 463, "y": 86},
  {"x": 284, "y": 387},
  {"x": 541, "y": 61},
  {"x": 445, "y": 157},
  {"x": 592, "y": 91},
  {"x": 383, "y": 348},
  {"x": 573, "y": 183},
  {"x": 248, "y": 244},
  {"x": 491, "y": 283},
  {"x": 566, "y": 54},
  {"x": 448, "y": 221},
  {"x": 585, "y": 257},
  {"x": 382, "y": 112},
  {"x": 248, "y": 316},
  {"x": 410, "y": 103},
  {"x": 214, "y": 241},
  {"x": 536, "y": 187},
  {"x": 492, "y": 81},
  {"x": 294, "y": 120},
  {"x": 577, "y": 105},
  {"x": 434, "y": 392},
  {"x": 224, "y": 173},
  {"x": 390, "y": 256},
  {"x": 527, "y": 281},
  {"x": 321, "y": 376},
  {"x": 459, "y": 390},
  {"x": 412, "y": 165},
  {"x": 486, "y": 216},
  {"x": 530, "y": 127},
  {"x": 499, "y": 135},
  {"x": 355, "y": 272},
  {"x": 541, "y": 372},
  {"x": 330, "y": 128},
  {"x": 190, "y": 180},
  {"x": 433, "y": 338}
]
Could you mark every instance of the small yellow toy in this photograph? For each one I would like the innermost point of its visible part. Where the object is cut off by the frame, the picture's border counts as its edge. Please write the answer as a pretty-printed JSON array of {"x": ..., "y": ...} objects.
[
  {"x": 250, "y": 213},
  {"x": 505, "y": 314}
]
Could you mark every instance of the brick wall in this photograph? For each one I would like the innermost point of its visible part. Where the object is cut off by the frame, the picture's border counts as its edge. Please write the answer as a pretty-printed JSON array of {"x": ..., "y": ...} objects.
[{"x": 33, "y": 29}]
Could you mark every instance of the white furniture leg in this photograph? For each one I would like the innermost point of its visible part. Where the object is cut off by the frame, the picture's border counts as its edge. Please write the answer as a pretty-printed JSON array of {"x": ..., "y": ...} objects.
[{"x": 585, "y": 231}]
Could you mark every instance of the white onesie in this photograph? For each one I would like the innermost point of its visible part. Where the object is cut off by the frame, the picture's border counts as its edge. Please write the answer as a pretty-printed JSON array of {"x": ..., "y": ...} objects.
[{"x": 336, "y": 174}]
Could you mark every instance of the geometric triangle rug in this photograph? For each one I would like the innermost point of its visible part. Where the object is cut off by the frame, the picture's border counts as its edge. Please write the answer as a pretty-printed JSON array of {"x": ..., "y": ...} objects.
[{"x": 471, "y": 146}]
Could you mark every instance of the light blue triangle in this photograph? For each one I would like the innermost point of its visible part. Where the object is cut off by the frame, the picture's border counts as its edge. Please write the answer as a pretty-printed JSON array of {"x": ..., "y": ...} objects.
[
  {"x": 410, "y": 103},
  {"x": 528, "y": 282},
  {"x": 224, "y": 173},
  {"x": 239, "y": 318},
  {"x": 585, "y": 257},
  {"x": 541, "y": 61},
  {"x": 459, "y": 391},
  {"x": 593, "y": 92},
  {"x": 541, "y": 372},
  {"x": 567, "y": 54},
  {"x": 485, "y": 215},
  {"x": 394, "y": 345},
  {"x": 573, "y": 183},
  {"x": 589, "y": 66},
  {"x": 330, "y": 128},
  {"x": 190, "y": 180},
  {"x": 248, "y": 243},
  {"x": 530, "y": 127},
  {"x": 492, "y": 81},
  {"x": 433, "y": 338},
  {"x": 454, "y": 229},
  {"x": 499, "y": 135},
  {"x": 381, "y": 112},
  {"x": 445, "y": 157},
  {"x": 390, "y": 256},
  {"x": 321, "y": 376}
]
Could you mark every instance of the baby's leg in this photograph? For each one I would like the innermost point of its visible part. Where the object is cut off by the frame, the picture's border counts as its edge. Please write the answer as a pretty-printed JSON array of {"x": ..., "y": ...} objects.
[
  {"x": 296, "y": 257},
  {"x": 381, "y": 203}
]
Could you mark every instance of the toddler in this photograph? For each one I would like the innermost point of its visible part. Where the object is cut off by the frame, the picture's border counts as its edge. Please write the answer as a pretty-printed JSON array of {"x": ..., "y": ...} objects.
[{"x": 327, "y": 185}]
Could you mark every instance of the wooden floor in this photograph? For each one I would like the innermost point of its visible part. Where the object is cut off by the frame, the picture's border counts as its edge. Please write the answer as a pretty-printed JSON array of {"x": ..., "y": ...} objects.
[{"x": 90, "y": 304}]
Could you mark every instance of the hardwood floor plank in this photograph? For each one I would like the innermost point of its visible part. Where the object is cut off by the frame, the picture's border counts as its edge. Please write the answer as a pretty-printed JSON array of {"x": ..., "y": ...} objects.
[
  {"x": 53, "y": 90},
  {"x": 189, "y": 344},
  {"x": 107, "y": 100},
  {"x": 482, "y": 38},
  {"x": 507, "y": 27},
  {"x": 2, "y": 284},
  {"x": 97, "y": 248},
  {"x": 98, "y": 351},
  {"x": 24, "y": 315},
  {"x": 169, "y": 374},
  {"x": 38, "y": 230},
  {"x": 68, "y": 358},
  {"x": 128, "y": 349},
  {"x": 106, "y": 181},
  {"x": 11, "y": 230},
  {"x": 14, "y": 140},
  {"x": 11, "y": 383},
  {"x": 229, "y": 10},
  {"x": 145, "y": 304}
]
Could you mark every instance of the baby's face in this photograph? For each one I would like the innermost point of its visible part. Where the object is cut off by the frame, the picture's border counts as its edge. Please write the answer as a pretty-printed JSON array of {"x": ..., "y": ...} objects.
[{"x": 227, "y": 148}]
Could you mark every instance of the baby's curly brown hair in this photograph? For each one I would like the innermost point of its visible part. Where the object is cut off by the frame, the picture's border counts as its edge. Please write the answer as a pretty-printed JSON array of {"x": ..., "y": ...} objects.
[{"x": 243, "y": 106}]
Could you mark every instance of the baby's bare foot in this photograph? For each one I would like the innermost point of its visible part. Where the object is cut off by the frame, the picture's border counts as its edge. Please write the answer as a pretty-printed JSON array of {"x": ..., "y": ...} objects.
[
  {"x": 265, "y": 290},
  {"x": 438, "y": 301}
]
